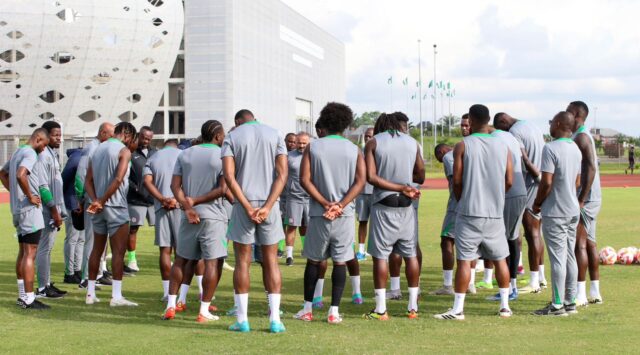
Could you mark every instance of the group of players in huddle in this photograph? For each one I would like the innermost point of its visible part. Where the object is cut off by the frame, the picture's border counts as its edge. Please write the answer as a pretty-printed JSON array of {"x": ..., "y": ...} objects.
[{"x": 254, "y": 188}]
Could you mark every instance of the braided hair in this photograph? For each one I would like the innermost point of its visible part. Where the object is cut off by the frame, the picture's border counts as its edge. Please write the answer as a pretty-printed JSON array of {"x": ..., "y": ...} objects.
[
  {"x": 209, "y": 130},
  {"x": 387, "y": 122}
]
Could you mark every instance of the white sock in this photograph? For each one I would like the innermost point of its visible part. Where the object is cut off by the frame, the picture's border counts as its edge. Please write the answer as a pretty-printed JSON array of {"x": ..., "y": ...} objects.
[
  {"x": 355, "y": 285},
  {"x": 171, "y": 301},
  {"x": 91, "y": 288},
  {"x": 395, "y": 283},
  {"x": 480, "y": 264},
  {"x": 520, "y": 262},
  {"x": 103, "y": 266},
  {"x": 274, "y": 304},
  {"x": 308, "y": 307},
  {"x": 413, "y": 299},
  {"x": 504, "y": 298},
  {"x": 243, "y": 303},
  {"x": 41, "y": 289},
  {"x": 488, "y": 276},
  {"x": 333, "y": 310},
  {"x": 289, "y": 252},
  {"x": 541, "y": 272},
  {"x": 458, "y": 302},
  {"x": 447, "y": 275},
  {"x": 319, "y": 288},
  {"x": 594, "y": 288},
  {"x": 116, "y": 289},
  {"x": 514, "y": 284},
  {"x": 582, "y": 291},
  {"x": 165, "y": 288},
  {"x": 534, "y": 280},
  {"x": 204, "y": 307},
  {"x": 21, "y": 294},
  {"x": 472, "y": 280},
  {"x": 381, "y": 300},
  {"x": 29, "y": 297},
  {"x": 199, "y": 278},
  {"x": 361, "y": 248},
  {"x": 182, "y": 297}
]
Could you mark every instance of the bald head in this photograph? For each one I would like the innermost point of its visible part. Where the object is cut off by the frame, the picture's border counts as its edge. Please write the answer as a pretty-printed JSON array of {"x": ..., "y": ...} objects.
[
  {"x": 105, "y": 131},
  {"x": 562, "y": 125},
  {"x": 39, "y": 139},
  {"x": 302, "y": 140},
  {"x": 440, "y": 150},
  {"x": 503, "y": 121}
]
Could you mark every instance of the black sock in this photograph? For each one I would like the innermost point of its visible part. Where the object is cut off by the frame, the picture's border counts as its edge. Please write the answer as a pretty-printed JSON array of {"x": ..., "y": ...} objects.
[
  {"x": 311, "y": 272},
  {"x": 338, "y": 280},
  {"x": 514, "y": 258}
]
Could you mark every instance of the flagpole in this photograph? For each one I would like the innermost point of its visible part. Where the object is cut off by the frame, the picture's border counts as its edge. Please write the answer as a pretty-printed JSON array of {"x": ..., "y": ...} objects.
[
  {"x": 435, "y": 98},
  {"x": 420, "y": 94}
]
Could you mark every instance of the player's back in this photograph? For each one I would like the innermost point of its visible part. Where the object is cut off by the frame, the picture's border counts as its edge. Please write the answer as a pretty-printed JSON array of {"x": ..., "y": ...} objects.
[
  {"x": 483, "y": 178},
  {"x": 254, "y": 147},
  {"x": 532, "y": 140},
  {"x": 295, "y": 190},
  {"x": 161, "y": 166},
  {"x": 104, "y": 165},
  {"x": 395, "y": 157},
  {"x": 563, "y": 158},
  {"x": 518, "y": 188},
  {"x": 333, "y": 161},
  {"x": 201, "y": 169}
]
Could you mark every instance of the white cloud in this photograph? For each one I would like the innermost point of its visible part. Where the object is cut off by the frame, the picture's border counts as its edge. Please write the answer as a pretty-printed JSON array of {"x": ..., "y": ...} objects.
[{"x": 526, "y": 58}]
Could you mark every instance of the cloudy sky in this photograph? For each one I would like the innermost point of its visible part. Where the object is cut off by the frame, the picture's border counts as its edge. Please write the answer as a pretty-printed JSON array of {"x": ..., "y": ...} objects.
[{"x": 525, "y": 58}]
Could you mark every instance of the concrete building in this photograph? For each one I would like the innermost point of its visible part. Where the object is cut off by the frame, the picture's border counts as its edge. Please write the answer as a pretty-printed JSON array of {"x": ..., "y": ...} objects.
[{"x": 260, "y": 55}]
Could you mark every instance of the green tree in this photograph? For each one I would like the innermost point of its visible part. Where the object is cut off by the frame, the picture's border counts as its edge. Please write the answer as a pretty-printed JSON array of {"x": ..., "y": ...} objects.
[{"x": 365, "y": 119}]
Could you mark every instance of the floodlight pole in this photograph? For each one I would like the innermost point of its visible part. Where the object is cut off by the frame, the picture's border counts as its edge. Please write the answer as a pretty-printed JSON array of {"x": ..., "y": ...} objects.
[
  {"x": 435, "y": 97},
  {"x": 420, "y": 94}
]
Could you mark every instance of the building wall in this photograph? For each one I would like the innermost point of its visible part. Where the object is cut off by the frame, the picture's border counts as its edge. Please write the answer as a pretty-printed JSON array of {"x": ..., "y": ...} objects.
[
  {"x": 259, "y": 55},
  {"x": 118, "y": 55}
]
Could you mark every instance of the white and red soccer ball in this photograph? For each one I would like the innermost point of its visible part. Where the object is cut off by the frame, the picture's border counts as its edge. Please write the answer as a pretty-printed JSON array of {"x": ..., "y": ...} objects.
[
  {"x": 608, "y": 256},
  {"x": 627, "y": 256}
]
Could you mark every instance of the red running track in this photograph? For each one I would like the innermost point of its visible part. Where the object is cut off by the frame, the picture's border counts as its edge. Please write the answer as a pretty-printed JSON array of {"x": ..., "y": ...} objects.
[
  {"x": 441, "y": 184},
  {"x": 605, "y": 180}
]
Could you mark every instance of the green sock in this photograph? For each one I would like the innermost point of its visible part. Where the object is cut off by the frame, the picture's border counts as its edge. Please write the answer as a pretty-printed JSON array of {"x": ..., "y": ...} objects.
[
  {"x": 302, "y": 240},
  {"x": 132, "y": 256},
  {"x": 281, "y": 245}
]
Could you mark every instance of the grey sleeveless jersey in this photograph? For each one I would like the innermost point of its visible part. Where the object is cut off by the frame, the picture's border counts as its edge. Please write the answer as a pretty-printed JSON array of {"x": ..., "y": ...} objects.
[
  {"x": 595, "y": 195},
  {"x": 104, "y": 164},
  {"x": 295, "y": 192},
  {"x": 561, "y": 158},
  {"x": 485, "y": 166},
  {"x": 518, "y": 187},
  {"x": 447, "y": 164},
  {"x": 531, "y": 140},
  {"x": 368, "y": 188},
  {"x": 333, "y": 161},
  {"x": 254, "y": 147},
  {"x": 25, "y": 157},
  {"x": 395, "y": 157}
]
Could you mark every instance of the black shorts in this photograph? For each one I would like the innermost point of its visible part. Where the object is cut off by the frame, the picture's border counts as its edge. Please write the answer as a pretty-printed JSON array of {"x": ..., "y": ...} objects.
[{"x": 31, "y": 238}]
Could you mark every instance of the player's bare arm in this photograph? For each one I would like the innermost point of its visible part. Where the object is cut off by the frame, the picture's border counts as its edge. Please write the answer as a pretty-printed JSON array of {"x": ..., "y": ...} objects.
[
  {"x": 282, "y": 172},
  {"x": 307, "y": 183},
  {"x": 155, "y": 193},
  {"x": 418, "y": 169},
  {"x": 4, "y": 179},
  {"x": 458, "y": 169},
  {"x": 123, "y": 166},
  {"x": 22, "y": 176},
  {"x": 543, "y": 191},
  {"x": 508, "y": 176},
  {"x": 229, "y": 171},
  {"x": 211, "y": 195},
  {"x": 588, "y": 171},
  {"x": 529, "y": 165},
  {"x": 178, "y": 193}
]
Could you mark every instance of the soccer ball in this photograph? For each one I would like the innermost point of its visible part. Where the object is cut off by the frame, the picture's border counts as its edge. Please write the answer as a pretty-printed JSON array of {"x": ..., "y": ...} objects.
[
  {"x": 638, "y": 257},
  {"x": 608, "y": 256},
  {"x": 633, "y": 251},
  {"x": 626, "y": 256}
]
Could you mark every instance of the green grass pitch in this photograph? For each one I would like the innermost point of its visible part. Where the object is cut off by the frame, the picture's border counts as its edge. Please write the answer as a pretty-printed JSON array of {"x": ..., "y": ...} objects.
[{"x": 73, "y": 327}]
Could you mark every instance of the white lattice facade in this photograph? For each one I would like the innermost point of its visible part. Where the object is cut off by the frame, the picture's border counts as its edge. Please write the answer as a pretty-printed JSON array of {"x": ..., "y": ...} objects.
[{"x": 82, "y": 62}]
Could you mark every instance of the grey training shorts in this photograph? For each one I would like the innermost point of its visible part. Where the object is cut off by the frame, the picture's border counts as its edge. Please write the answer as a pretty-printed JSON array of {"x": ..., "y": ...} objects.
[
  {"x": 449, "y": 225},
  {"x": 330, "y": 239},
  {"x": 167, "y": 227},
  {"x": 588, "y": 216},
  {"x": 242, "y": 230},
  {"x": 363, "y": 207},
  {"x": 480, "y": 238},
  {"x": 512, "y": 216},
  {"x": 391, "y": 230},
  {"x": 109, "y": 220},
  {"x": 28, "y": 221},
  {"x": 205, "y": 240},
  {"x": 139, "y": 213},
  {"x": 297, "y": 213},
  {"x": 532, "y": 192}
]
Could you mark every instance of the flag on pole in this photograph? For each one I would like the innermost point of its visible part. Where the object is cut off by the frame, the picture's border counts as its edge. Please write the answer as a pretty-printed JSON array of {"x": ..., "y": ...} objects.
[
  {"x": 441, "y": 85},
  {"x": 405, "y": 81},
  {"x": 418, "y": 84},
  {"x": 413, "y": 96},
  {"x": 430, "y": 84},
  {"x": 449, "y": 86},
  {"x": 390, "y": 80}
]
